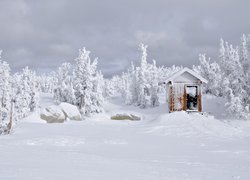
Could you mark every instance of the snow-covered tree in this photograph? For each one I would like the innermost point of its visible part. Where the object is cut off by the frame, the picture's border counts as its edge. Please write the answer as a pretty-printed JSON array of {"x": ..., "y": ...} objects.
[
  {"x": 142, "y": 74},
  {"x": 25, "y": 88},
  {"x": 47, "y": 82},
  {"x": 230, "y": 76},
  {"x": 235, "y": 106},
  {"x": 5, "y": 96},
  {"x": 86, "y": 84},
  {"x": 64, "y": 91},
  {"x": 234, "y": 78},
  {"x": 97, "y": 96},
  {"x": 154, "y": 85},
  {"x": 133, "y": 87},
  {"x": 141, "y": 85},
  {"x": 31, "y": 87},
  {"x": 211, "y": 72},
  {"x": 108, "y": 88},
  {"x": 20, "y": 95},
  {"x": 126, "y": 80},
  {"x": 244, "y": 53},
  {"x": 115, "y": 83}
]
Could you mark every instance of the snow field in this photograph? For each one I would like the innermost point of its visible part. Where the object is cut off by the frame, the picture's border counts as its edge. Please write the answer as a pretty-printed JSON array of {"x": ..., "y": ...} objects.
[{"x": 163, "y": 146}]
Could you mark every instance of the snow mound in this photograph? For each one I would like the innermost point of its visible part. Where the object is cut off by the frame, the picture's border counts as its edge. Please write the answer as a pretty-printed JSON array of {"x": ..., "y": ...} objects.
[
  {"x": 192, "y": 125},
  {"x": 71, "y": 112},
  {"x": 53, "y": 114}
]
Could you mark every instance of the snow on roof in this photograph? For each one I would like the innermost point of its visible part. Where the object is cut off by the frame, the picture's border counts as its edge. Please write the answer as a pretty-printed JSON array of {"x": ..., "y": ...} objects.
[{"x": 179, "y": 73}]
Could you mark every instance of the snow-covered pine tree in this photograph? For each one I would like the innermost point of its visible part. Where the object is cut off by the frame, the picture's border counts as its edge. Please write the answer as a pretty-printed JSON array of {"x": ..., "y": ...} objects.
[
  {"x": 97, "y": 97},
  {"x": 234, "y": 105},
  {"x": 248, "y": 75},
  {"x": 140, "y": 85},
  {"x": 224, "y": 63},
  {"x": 211, "y": 72},
  {"x": 124, "y": 88},
  {"x": 244, "y": 53},
  {"x": 234, "y": 79},
  {"x": 5, "y": 95},
  {"x": 115, "y": 83},
  {"x": 236, "y": 76},
  {"x": 30, "y": 88},
  {"x": 154, "y": 81},
  {"x": 85, "y": 75},
  {"x": 64, "y": 91},
  {"x": 46, "y": 83},
  {"x": 20, "y": 95},
  {"x": 134, "y": 84},
  {"x": 127, "y": 88},
  {"x": 225, "y": 57},
  {"x": 108, "y": 89},
  {"x": 142, "y": 74},
  {"x": 83, "y": 81}
]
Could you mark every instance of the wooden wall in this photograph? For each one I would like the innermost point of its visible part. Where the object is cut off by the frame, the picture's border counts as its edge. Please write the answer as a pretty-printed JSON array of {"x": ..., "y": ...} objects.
[{"x": 173, "y": 98}]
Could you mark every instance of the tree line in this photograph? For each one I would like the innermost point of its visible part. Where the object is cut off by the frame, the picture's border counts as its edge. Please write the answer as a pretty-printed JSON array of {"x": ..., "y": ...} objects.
[
  {"x": 229, "y": 76},
  {"x": 81, "y": 84}
]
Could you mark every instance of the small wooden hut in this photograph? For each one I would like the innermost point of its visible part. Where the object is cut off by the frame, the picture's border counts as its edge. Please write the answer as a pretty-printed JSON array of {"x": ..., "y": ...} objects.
[{"x": 185, "y": 91}]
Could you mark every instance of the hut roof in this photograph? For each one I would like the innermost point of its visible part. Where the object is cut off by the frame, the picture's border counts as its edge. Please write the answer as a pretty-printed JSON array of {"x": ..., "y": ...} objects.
[{"x": 186, "y": 70}]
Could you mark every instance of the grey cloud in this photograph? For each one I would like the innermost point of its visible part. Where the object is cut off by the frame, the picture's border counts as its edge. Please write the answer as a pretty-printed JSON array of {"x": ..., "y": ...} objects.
[{"x": 43, "y": 34}]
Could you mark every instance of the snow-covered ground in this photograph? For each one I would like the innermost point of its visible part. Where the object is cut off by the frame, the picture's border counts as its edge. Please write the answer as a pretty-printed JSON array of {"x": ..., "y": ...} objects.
[{"x": 176, "y": 146}]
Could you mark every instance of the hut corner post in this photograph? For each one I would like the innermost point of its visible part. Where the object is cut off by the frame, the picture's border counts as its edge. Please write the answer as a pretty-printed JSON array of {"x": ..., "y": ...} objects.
[
  {"x": 170, "y": 99},
  {"x": 184, "y": 99},
  {"x": 200, "y": 98}
]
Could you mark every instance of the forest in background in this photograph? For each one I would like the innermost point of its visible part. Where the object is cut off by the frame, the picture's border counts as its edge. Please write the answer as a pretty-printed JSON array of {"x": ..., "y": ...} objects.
[{"x": 81, "y": 84}]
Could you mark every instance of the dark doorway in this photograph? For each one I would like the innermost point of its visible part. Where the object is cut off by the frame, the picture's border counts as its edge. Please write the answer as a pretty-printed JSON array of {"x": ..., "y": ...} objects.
[{"x": 192, "y": 98}]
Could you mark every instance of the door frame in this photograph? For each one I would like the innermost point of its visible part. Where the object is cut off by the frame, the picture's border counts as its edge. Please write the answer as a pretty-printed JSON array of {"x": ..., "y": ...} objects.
[{"x": 185, "y": 97}]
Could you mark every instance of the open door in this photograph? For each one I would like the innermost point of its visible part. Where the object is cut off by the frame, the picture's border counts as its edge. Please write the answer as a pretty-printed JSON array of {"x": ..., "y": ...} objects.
[{"x": 192, "y": 98}]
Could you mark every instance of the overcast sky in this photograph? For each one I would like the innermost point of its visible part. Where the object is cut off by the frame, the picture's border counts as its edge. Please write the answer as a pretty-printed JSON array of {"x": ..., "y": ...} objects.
[{"x": 43, "y": 34}]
